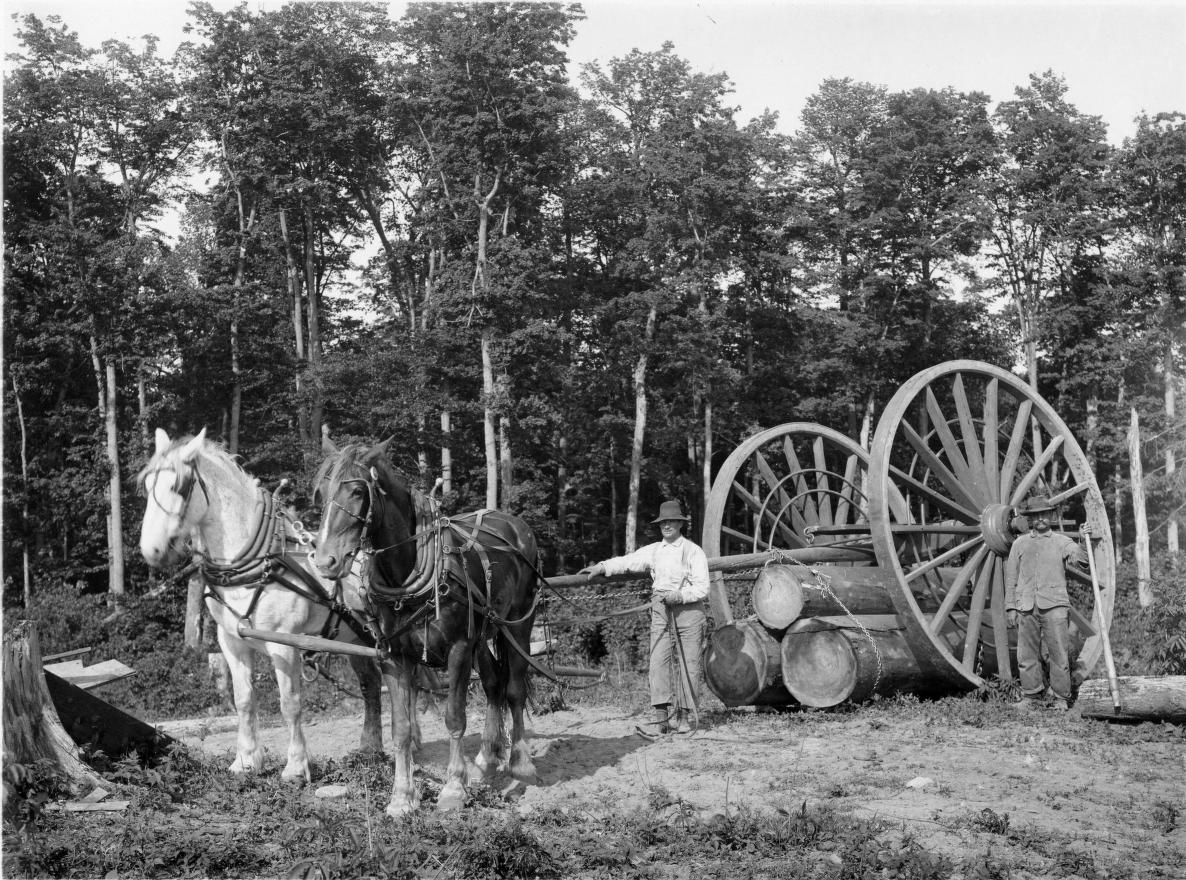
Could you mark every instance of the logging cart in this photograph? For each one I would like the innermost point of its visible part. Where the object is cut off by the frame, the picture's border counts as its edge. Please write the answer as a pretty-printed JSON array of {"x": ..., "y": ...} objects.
[{"x": 837, "y": 573}]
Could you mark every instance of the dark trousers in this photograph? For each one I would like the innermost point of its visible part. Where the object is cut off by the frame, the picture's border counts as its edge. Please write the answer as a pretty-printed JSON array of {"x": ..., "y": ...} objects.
[{"x": 1038, "y": 628}]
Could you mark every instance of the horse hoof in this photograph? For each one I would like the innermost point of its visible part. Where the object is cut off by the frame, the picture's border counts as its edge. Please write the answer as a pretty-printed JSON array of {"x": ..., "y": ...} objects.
[
  {"x": 397, "y": 810},
  {"x": 525, "y": 775},
  {"x": 450, "y": 801},
  {"x": 297, "y": 774}
]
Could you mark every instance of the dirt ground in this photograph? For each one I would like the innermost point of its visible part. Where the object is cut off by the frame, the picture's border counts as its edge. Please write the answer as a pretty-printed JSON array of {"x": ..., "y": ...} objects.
[{"x": 954, "y": 774}]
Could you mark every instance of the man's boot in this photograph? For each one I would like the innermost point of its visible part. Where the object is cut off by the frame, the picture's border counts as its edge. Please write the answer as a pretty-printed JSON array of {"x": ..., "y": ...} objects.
[
  {"x": 683, "y": 723},
  {"x": 661, "y": 718}
]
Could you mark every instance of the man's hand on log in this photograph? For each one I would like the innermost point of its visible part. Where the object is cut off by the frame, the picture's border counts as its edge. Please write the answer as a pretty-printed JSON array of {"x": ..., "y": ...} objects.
[{"x": 591, "y": 571}]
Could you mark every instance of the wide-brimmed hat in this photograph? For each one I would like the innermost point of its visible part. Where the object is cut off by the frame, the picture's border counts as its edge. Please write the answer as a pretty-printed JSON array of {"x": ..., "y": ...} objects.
[
  {"x": 1037, "y": 504},
  {"x": 670, "y": 510}
]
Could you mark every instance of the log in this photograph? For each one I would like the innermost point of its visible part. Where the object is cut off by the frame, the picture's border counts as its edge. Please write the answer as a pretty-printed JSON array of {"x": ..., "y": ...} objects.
[
  {"x": 32, "y": 729},
  {"x": 1142, "y": 698},
  {"x": 825, "y": 667},
  {"x": 742, "y": 665},
  {"x": 784, "y": 593}
]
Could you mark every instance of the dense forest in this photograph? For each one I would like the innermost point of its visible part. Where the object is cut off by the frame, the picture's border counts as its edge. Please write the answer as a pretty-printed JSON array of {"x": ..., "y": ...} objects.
[{"x": 566, "y": 293}]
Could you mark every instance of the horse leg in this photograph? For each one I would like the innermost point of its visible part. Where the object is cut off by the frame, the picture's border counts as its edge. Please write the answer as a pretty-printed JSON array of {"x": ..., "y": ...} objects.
[
  {"x": 460, "y": 664},
  {"x": 492, "y": 755},
  {"x": 398, "y": 673},
  {"x": 287, "y": 662},
  {"x": 522, "y": 767},
  {"x": 370, "y": 686},
  {"x": 249, "y": 754}
]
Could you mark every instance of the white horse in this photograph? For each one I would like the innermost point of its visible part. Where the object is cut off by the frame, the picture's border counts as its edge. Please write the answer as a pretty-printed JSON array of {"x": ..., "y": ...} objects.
[{"x": 256, "y": 572}]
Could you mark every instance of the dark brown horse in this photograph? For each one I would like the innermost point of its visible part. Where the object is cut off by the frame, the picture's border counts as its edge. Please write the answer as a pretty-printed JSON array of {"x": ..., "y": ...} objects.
[{"x": 446, "y": 592}]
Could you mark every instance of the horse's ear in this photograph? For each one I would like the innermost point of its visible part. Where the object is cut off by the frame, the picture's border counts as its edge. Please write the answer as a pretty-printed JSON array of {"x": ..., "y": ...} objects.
[
  {"x": 327, "y": 445},
  {"x": 162, "y": 441},
  {"x": 383, "y": 446},
  {"x": 190, "y": 452}
]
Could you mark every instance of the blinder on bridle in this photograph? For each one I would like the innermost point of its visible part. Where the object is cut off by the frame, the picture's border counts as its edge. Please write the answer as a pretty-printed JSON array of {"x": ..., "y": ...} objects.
[{"x": 183, "y": 486}]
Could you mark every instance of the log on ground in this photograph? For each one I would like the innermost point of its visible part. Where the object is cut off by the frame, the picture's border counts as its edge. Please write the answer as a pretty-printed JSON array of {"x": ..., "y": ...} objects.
[
  {"x": 825, "y": 666},
  {"x": 742, "y": 665},
  {"x": 1142, "y": 698}
]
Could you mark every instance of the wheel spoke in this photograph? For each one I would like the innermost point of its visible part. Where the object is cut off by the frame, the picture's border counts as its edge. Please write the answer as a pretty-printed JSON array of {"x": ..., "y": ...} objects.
[
  {"x": 844, "y": 505},
  {"x": 956, "y": 590},
  {"x": 976, "y": 613},
  {"x": 1069, "y": 493},
  {"x": 942, "y": 500},
  {"x": 950, "y": 445},
  {"x": 968, "y": 431},
  {"x": 821, "y": 482},
  {"x": 1031, "y": 476},
  {"x": 1016, "y": 442},
  {"x": 932, "y": 564},
  {"x": 810, "y": 514},
  {"x": 763, "y": 511},
  {"x": 992, "y": 465},
  {"x": 751, "y": 541},
  {"x": 1000, "y": 623},
  {"x": 949, "y": 480}
]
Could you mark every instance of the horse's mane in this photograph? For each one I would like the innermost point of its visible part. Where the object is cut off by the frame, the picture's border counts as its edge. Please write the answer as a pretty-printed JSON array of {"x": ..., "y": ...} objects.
[
  {"x": 335, "y": 466},
  {"x": 213, "y": 451}
]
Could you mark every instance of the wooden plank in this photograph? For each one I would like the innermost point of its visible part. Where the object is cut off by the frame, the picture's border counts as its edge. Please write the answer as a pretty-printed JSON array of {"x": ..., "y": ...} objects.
[
  {"x": 88, "y": 677},
  {"x": 65, "y": 654}
]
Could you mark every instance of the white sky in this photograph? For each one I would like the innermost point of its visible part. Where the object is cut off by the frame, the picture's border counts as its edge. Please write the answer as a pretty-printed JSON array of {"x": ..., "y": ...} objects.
[{"x": 1118, "y": 59}]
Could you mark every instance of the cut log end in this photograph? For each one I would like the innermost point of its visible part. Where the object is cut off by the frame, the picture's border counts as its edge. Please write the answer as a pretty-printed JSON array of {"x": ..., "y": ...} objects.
[{"x": 742, "y": 666}]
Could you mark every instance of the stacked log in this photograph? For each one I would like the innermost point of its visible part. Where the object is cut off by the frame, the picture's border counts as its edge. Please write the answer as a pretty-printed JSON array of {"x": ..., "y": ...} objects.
[{"x": 825, "y": 635}]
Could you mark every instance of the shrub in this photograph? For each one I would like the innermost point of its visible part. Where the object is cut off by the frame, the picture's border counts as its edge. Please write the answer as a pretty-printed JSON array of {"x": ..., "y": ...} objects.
[{"x": 1150, "y": 641}]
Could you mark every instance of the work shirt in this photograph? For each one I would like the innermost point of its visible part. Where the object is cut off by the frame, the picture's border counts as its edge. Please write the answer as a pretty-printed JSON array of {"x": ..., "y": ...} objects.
[
  {"x": 679, "y": 566},
  {"x": 1035, "y": 573}
]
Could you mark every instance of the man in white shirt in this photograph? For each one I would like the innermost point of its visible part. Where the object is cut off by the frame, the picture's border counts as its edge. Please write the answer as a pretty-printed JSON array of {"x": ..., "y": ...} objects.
[{"x": 679, "y": 570}]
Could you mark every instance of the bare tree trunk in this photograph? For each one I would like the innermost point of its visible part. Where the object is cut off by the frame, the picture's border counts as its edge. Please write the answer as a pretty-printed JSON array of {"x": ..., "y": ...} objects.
[
  {"x": 20, "y": 415},
  {"x": 706, "y": 474},
  {"x": 246, "y": 222},
  {"x": 1137, "y": 478},
  {"x": 1171, "y": 526},
  {"x": 1117, "y": 513},
  {"x": 446, "y": 453},
  {"x": 313, "y": 295},
  {"x": 562, "y": 501},
  {"x": 615, "y": 535},
  {"x": 640, "y": 427},
  {"x": 1092, "y": 431},
  {"x": 488, "y": 428},
  {"x": 142, "y": 404},
  {"x": 866, "y": 435},
  {"x": 505, "y": 461},
  {"x": 421, "y": 449},
  {"x": 293, "y": 275},
  {"x": 105, "y": 378}
]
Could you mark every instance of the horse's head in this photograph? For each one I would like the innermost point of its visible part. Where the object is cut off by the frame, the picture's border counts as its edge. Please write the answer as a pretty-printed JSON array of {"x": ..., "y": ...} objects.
[
  {"x": 361, "y": 499},
  {"x": 168, "y": 481}
]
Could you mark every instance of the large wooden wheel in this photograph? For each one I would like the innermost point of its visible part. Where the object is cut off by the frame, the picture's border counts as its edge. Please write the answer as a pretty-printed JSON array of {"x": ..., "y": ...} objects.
[
  {"x": 793, "y": 486},
  {"x": 965, "y": 443}
]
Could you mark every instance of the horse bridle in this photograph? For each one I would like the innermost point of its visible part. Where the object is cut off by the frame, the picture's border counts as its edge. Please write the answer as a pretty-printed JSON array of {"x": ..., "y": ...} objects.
[{"x": 183, "y": 487}]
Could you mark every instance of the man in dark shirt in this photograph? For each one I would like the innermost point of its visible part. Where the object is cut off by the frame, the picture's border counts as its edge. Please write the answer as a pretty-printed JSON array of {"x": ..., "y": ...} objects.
[{"x": 1036, "y": 601}]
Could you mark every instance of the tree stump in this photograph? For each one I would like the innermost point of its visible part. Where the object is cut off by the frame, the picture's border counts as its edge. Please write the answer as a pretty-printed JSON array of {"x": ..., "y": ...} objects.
[{"x": 32, "y": 729}]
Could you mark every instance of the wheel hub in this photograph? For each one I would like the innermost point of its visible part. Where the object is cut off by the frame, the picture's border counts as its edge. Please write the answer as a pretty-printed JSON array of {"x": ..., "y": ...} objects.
[{"x": 994, "y": 526}]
